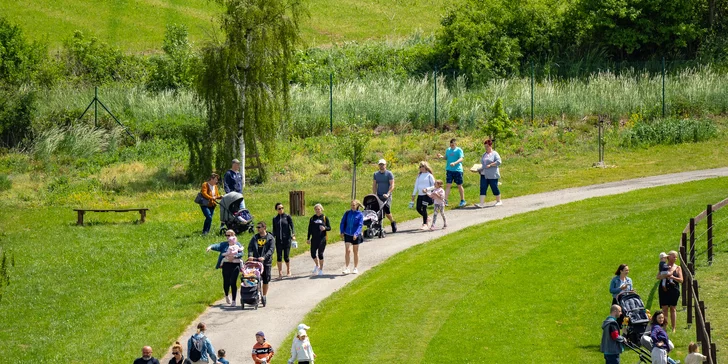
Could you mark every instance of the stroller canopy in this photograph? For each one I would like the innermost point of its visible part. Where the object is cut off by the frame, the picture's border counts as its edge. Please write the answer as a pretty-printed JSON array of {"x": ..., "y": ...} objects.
[
  {"x": 230, "y": 204},
  {"x": 372, "y": 202}
]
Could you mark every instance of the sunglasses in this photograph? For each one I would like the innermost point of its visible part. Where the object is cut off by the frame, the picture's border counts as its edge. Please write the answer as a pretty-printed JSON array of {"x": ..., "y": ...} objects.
[
  {"x": 280, "y": 208},
  {"x": 259, "y": 227},
  {"x": 175, "y": 353}
]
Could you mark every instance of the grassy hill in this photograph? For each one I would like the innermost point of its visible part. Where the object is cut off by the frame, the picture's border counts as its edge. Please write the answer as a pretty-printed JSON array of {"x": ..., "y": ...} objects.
[{"x": 138, "y": 25}]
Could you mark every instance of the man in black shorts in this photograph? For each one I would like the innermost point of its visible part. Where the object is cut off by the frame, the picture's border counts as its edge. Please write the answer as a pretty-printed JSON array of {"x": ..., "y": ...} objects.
[
  {"x": 383, "y": 186},
  {"x": 261, "y": 248}
]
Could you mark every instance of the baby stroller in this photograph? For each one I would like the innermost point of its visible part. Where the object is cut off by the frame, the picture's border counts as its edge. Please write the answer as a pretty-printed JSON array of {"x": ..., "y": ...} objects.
[
  {"x": 634, "y": 311},
  {"x": 233, "y": 217},
  {"x": 373, "y": 216},
  {"x": 250, "y": 284}
]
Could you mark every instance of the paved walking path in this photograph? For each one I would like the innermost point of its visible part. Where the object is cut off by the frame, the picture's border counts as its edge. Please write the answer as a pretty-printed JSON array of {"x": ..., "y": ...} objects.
[{"x": 290, "y": 299}]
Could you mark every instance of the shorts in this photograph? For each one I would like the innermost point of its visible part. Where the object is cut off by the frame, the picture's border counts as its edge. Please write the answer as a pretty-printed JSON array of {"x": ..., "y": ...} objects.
[
  {"x": 456, "y": 176},
  {"x": 350, "y": 239},
  {"x": 385, "y": 208},
  {"x": 267, "y": 272}
]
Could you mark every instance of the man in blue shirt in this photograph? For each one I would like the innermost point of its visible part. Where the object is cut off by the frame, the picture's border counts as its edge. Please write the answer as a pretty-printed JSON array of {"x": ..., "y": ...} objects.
[
  {"x": 454, "y": 170},
  {"x": 382, "y": 186}
]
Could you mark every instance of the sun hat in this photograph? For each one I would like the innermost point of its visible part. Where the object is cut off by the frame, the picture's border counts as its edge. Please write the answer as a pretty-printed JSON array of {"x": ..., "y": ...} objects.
[
  {"x": 382, "y": 161},
  {"x": 663, "y": 255},
  {"x": 260, "y": 333},
  {"x": 303, "y": 326},
  {"x": 236, "y": 161}
]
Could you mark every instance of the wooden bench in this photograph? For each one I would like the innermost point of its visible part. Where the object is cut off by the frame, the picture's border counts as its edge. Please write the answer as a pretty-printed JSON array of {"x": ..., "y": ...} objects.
[{"x": 81, "y": 212}]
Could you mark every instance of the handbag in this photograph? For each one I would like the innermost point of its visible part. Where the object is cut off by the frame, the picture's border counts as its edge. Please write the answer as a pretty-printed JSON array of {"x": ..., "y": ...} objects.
[{"x": 201, "y": 200}]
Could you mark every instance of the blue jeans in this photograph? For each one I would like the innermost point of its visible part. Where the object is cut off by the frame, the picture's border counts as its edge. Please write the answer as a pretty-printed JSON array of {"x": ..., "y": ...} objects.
[
  {"x": 611, "y": 358},
  {"x": 484, "y": 183},
  {"x": 208, "y": 212}
]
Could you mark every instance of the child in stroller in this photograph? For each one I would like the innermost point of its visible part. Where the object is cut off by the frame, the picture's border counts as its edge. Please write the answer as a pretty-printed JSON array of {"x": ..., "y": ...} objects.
[
  {"x": 233, "y": 216},
  {"x": 250, "y": 283},
  {"x": 373, "y": 216}
]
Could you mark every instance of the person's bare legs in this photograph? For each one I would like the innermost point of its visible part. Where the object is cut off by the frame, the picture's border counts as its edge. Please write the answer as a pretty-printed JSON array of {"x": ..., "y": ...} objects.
[
  {"x": 447, "y": 191},
  {"x": 673, "y": 317},
  {"x": 462, "y": 192},
  {"x": 288, "y": 269},
  {"x": 321, "y": 264},
  {"x": 280, "y": 270},
  {"x": 497, "y": 198},
  {"x": 347, "y": 246},
  {"x": 265, "y": 289},
  {"x": 356, "y": 256},
  {"x": 391, "y": 219}
]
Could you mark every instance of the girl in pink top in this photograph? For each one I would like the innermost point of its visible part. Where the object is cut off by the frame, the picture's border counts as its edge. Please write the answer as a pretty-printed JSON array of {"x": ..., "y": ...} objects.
[{"x": 438, "y": 198}]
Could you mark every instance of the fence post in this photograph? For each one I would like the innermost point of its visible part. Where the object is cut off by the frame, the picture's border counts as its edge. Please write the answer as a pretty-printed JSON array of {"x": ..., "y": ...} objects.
[
  {"x": 683, "y": 256},
  {"x": 663, "y": 87},
  {"x": 713, "y": 353},
  {"x": 331, "y": 102},
  {"x": 698, "y": 325},
  {"x": 692, "y": 243},
  {"x": 709, "y": 231},
  {"x": 96, "y": 105},
  {"x": 533, "y": 76},
  {"x": 434, "y": 78},
  {"x": 689, "y": 289}
]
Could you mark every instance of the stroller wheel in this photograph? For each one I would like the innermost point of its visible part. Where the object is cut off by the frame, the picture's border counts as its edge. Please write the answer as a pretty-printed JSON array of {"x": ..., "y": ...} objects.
[
  {"x": 381, "y": 234},
  {"x": 222, "y": 230}
]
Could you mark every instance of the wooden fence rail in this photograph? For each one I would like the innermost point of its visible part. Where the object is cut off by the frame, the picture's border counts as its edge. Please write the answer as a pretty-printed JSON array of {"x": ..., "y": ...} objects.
[{"x": 690, "y": 288}]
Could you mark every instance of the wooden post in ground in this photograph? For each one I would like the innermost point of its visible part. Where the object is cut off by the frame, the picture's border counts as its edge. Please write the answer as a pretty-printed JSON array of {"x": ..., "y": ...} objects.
[{"x": 709, "y": 232}]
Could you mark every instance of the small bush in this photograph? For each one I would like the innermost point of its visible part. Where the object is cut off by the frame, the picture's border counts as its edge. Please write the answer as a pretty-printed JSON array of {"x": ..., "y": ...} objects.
[
  {"x": 5, "y": 183},
  {"x": 668, "y": 131},
  {"x": 16, "y": 114}
]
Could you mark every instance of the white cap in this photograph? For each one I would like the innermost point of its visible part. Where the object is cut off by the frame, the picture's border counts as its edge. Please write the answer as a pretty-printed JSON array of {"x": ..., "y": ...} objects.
[
  {"x": 303, "y": 327},
  {"x": 663, "y": 255},
  {"x": 382, "y": 161},
  {"x": 302, "y": 332}
]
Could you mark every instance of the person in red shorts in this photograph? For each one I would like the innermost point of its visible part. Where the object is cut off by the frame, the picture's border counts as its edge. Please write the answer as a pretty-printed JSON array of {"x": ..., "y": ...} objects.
[{"x": 262, "y": 351}]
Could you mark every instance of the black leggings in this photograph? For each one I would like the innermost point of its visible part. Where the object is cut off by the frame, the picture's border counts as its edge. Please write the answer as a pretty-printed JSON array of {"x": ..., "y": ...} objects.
[
  {"x": 283, "y": 250},
  {"x": 230, "y": 273},
  {"x": 319, "y": 246},
  {"x": 422, "y": 203}
]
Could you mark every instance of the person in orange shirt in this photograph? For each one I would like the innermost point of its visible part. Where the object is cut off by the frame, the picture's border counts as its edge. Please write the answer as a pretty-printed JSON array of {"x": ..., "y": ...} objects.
[
  {"x": 209, "y": 192},
  {"x": 262, "y": 351}
]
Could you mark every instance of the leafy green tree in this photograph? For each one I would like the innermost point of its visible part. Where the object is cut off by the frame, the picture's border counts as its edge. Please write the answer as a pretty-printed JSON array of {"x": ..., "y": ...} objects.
[
  {"x": 19, "y": 59},
  {"x": 487, "y": 39},
  {"x": 499, "y": 125},
  {"x": 639, "y": 29},
  {"x": 176, "y": 68},
  {"x": 244, "y": 82},
  {"x": 352, "y": 145}
]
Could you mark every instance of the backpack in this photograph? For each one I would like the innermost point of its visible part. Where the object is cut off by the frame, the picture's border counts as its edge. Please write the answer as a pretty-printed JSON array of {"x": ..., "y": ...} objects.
[{"x": 198, "y": 345}]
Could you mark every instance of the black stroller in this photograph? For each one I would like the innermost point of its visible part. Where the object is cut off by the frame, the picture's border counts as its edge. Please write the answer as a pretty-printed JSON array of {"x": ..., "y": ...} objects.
[
  {"x": 232, "y": 217},
  {"x": 373, "y": 216},
  {"x": 635, "y": 313},
  {"x": 250, "y": 284}
]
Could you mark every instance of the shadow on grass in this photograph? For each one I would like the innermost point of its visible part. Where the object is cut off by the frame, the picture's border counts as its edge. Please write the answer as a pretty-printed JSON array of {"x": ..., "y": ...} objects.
[
  {"x": 165, "y": 179},
  {"x": 106, "y": 223},
  {"x": 651, "y": 296},
  {"x": 592, "y": 347}
]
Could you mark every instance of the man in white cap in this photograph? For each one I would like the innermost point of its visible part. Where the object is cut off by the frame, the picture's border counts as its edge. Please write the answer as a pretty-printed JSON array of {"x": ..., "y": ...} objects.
[{"x": 383, "y": 186}]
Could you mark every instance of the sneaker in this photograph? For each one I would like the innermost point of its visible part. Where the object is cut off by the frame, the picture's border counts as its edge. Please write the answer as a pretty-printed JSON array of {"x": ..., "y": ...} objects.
[
  {"x": 232, "y": 304},
  {"x": 424, "y": 227},
  {"x": 479, "y": 205},
  {"x": 264, "y": 301},
  {"x": 498, "y": 203},
  {"x": 346, "y": 270},
  {"x": 227, "y": 299},
  {"x": 394, "y": 227},
  {"x": 432, "y": 227},
  {"x": 356, "y": 271},
  {"x": 315, "y": 270},
  {"x": 320, "y": 272},
  {"x": 444, "y": 226},
  {"x": 462, "y": 203}
]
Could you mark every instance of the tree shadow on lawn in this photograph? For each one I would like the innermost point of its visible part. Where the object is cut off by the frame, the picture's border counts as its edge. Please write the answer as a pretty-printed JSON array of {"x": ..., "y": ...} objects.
[{"x": 106, "y": 223}]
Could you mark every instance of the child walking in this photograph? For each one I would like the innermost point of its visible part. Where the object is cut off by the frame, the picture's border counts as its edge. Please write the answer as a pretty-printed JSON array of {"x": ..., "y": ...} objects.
[
  {"x": 438, "y": 198},
  {"x": 694, "y": 357}
]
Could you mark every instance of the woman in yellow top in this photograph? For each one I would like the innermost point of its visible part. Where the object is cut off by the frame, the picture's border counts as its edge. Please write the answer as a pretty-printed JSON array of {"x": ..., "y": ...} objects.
[{"x": 210, "y": 193}]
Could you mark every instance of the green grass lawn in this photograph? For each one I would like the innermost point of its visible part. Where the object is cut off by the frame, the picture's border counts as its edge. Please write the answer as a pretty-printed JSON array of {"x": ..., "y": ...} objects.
[
  {"x": 530, "y": 288},
  {"x": 115, "y": 285},
  {"x": 138, "y": 25}
]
